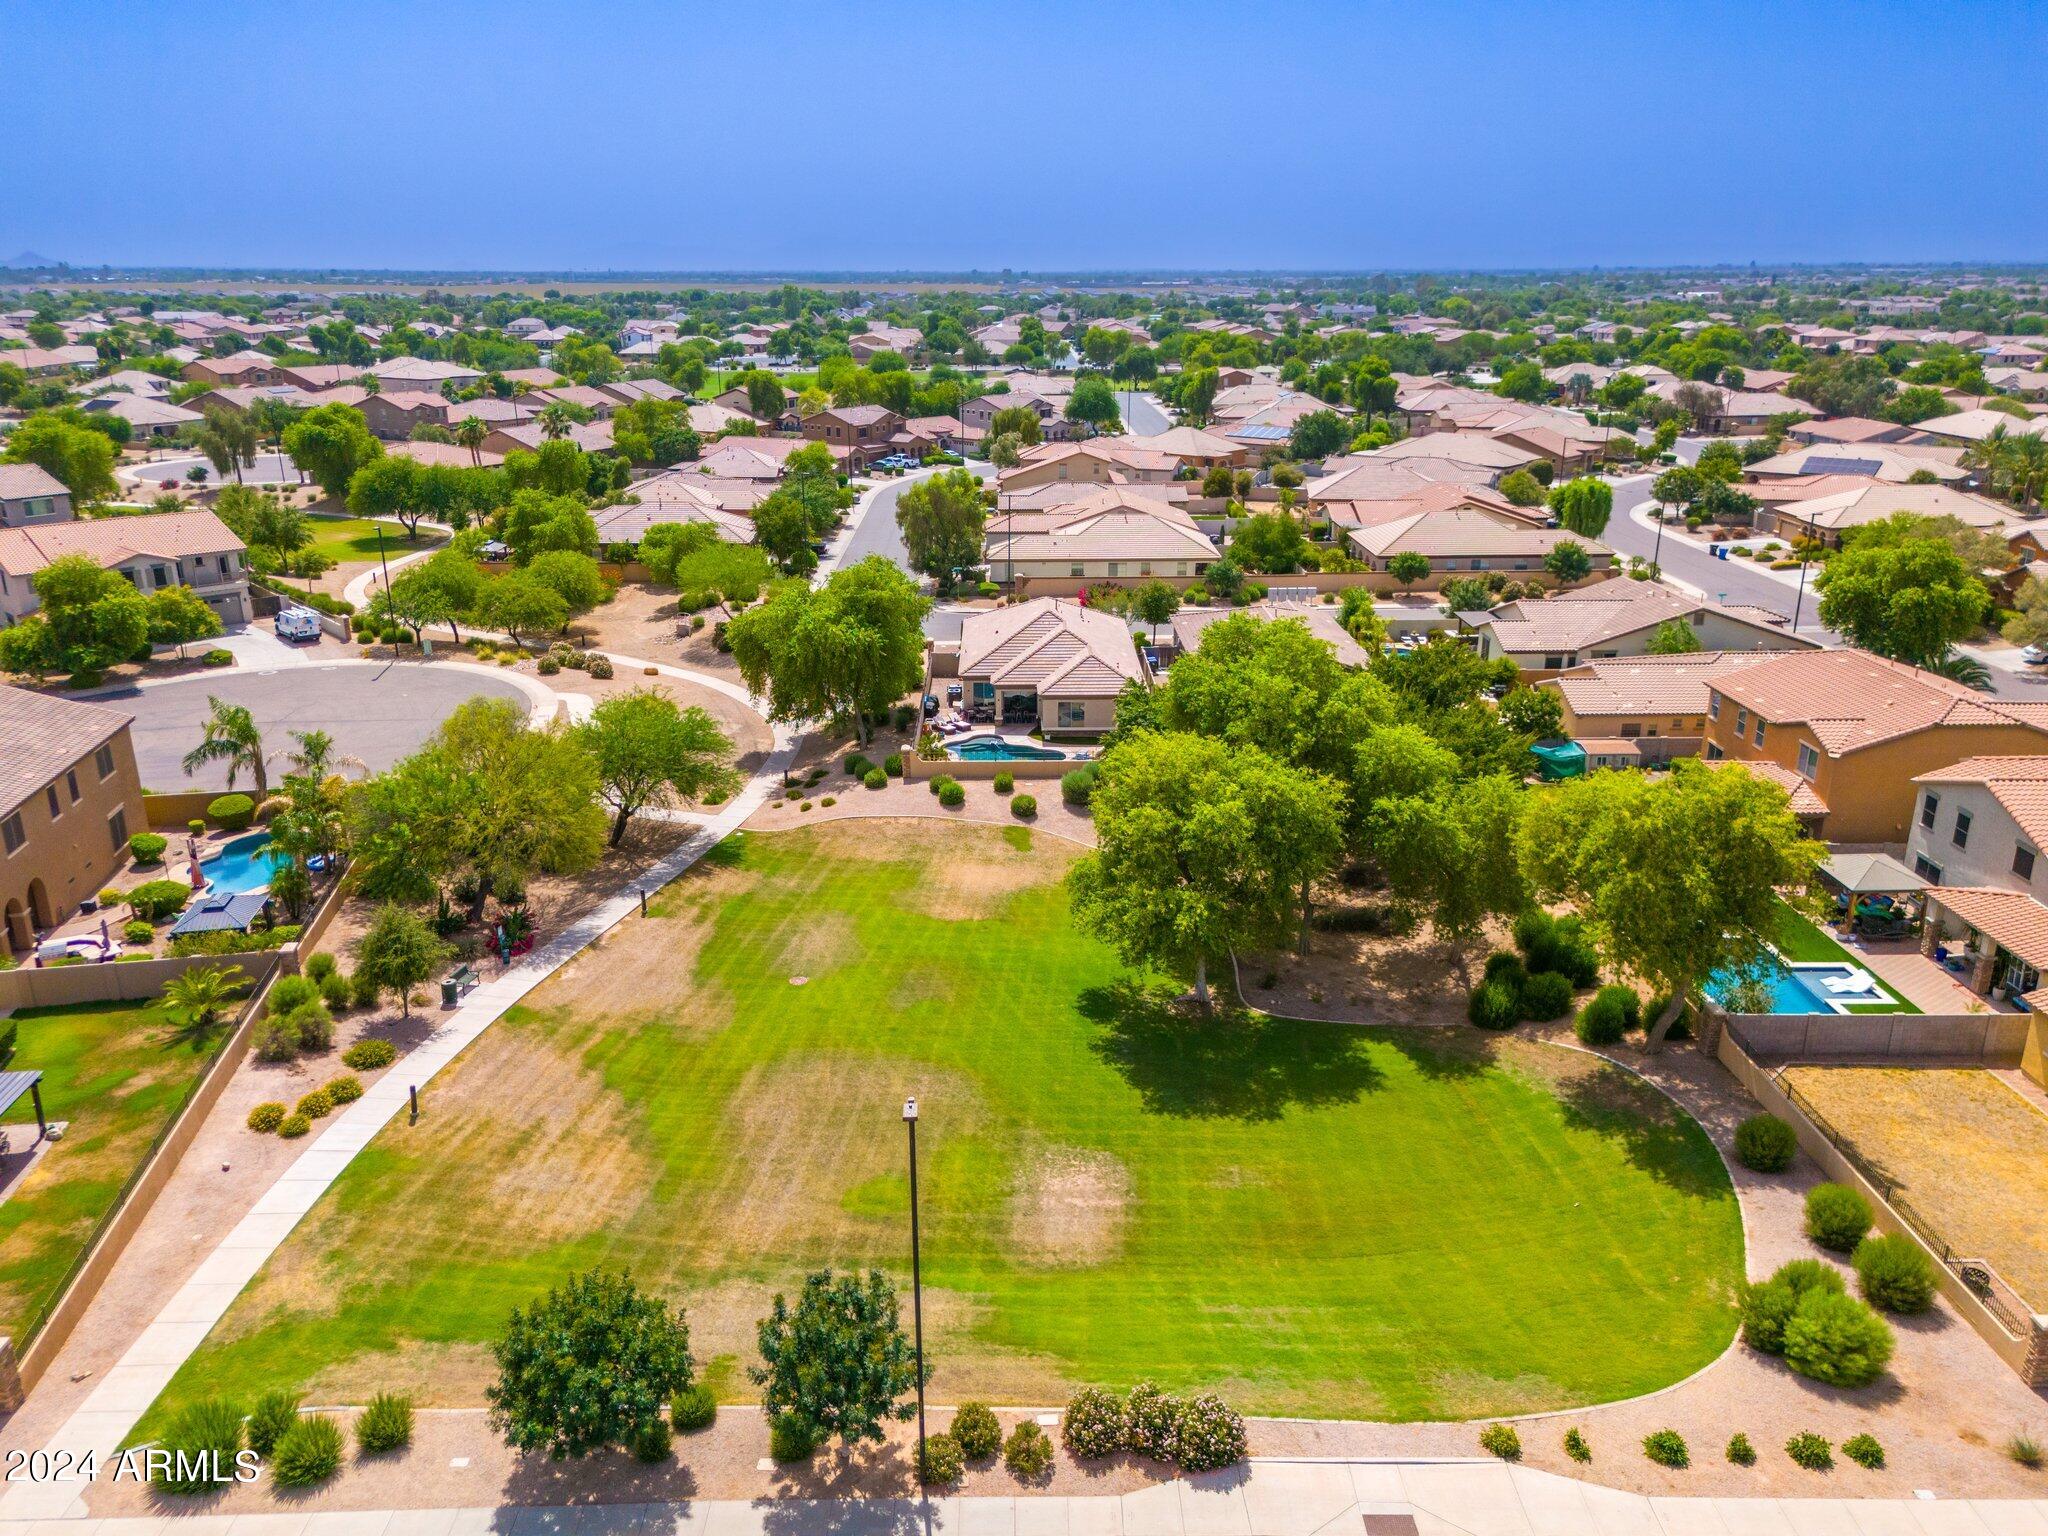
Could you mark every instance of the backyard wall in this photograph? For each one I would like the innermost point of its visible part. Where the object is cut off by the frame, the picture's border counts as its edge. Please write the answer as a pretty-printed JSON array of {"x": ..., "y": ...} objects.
[
  {"x": 180, "y": 806},
  {"x": 917, "y": 769},
  {"x": 1989, "y": 1039},
  {"x": 123, "y": 981}
]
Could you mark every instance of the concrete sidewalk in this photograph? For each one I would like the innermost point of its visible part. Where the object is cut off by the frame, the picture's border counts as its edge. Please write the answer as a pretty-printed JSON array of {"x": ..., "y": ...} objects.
[{"x": 1263, "y": 1498}]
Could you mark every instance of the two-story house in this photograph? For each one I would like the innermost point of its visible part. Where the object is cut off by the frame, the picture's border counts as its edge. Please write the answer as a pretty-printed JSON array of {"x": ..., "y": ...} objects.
[
  {"x": 1979, "y": 833},
  {"x": 153, "y": 550},
  {"x": 856, "y": 434},
  {"x": 70, "y": 795},
  {"x": 32, "y": 497}
]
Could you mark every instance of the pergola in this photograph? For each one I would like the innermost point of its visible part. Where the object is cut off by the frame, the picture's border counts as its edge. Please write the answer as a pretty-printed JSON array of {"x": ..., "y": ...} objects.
[
  {"x": 13, "y": 1085},
  {"x": 1871, "y": 874}
]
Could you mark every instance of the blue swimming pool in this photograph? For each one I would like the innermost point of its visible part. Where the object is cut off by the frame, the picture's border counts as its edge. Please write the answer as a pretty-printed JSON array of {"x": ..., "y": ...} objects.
[
  {"x": 245, "y": 864},
  {"x": 1800, "y": 989},
  {"x": 993, "y": 749}
]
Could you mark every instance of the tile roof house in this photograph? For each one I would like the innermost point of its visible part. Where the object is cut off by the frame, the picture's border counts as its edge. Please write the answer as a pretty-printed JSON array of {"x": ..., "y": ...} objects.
[
  {"x": 1464, "y": 540},
  {"x": 1099, "y": 461},
  {"x": 1642, "y": 709},
  {"x": 1847, "y": 429},
  {"x": 1859, "y": 729},
  {"x": 237, "y": 370},
  {"x": 31, "y": 494},
  {"x": 1189, "y": 623},
  {"x": 1052, "y": 664},
  {"x": 1983, "y": 822},
  {"x": 39, "y": 362},
  {"x": 1966, "y": 428},
  {"x": 1611, "y": 619},
  {"x": 1114, "y": 534},
  {"x": 153, "y": 550},
  {"x": 425, "y": 374},
  {"x": 70, "y": 795},
  {"x": 1828, "y": 517},
  {"x": 1894, "y": 463},
  {"x": 146, "y": 415},
  {"x": 527, "y": 436}
]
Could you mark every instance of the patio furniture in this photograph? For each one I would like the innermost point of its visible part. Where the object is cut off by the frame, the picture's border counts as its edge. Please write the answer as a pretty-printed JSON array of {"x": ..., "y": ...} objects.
[
  {"x": 1895, "y": 925},
  {"x": 1857, "y": 984},
  {"x": 455, "y": 983}
]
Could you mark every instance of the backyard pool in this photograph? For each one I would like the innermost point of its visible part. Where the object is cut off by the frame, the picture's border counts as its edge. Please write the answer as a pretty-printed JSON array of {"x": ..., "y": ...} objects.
[
  {"x": 994, "y": 749},
  {"x": 1803, "y": 988},
  {"x": 245, "y": 864}
]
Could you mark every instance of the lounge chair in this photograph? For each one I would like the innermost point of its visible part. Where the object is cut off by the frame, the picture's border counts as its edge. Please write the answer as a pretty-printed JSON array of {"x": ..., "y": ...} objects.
[{"x": 1854, "y": 985}]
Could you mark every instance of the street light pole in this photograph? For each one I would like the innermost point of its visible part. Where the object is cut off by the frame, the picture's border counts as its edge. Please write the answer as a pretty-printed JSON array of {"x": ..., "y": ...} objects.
[
  {"x": 916, "y": 1277},
  {"x": 1800, "y": 600},
  {"x": 380, "y": 557}
]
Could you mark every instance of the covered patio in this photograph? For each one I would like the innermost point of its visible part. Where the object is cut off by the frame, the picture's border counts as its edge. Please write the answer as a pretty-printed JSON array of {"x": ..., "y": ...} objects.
[
  {"x": 1995, "y": 941},
  {"x": 1875, "y": 896}
]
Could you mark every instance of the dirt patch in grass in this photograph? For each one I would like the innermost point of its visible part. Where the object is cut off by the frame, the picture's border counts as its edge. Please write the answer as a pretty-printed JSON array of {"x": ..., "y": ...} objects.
[
  {"x": 1967, "y": 1152},
  {"x": 963, "y": 871},
  {"x": 433, "y": 1375},
  {"x": 815, "y": 943},
  {"x": 648, "y": 969},
  {"x": 1370, "y": 978},
  {"x": 1068, "y": 1208},
  {"x": 1464, "y": 1394}
]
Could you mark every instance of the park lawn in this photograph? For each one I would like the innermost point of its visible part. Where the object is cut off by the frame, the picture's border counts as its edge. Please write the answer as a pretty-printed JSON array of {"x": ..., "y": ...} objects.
[
  {"x": 1312, "y": 1219},
  {"x": 1799, "y": 938},
  {"x": 346, "y": 540},
  {"x": 118, "y": 1073}
]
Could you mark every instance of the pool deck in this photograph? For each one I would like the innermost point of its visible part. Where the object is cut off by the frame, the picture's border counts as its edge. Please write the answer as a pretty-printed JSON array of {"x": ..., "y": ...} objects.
[{"x": 1899, "y": 964}]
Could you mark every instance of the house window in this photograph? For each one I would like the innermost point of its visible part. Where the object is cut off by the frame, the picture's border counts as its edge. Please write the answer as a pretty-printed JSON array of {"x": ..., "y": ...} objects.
[
  {"x": 1115, "y": 569},
  {"x": 71, "y": 783},
  {"x": 1714, "y": 752},
  {"x": 1713, "y": 706},
  {"x": 1758, "y": 738},
  {"x": 1631, "y": 732},
  {"x": 984, "y": 692},
  {"x": 1553, "y": 663},
  {"x": 1927, "y": 810},
  {"x": 1074, "y": 570},
  {"x": 117, "y": 829},
  {"x": 1478, "y": 565},
  {"x": 50, "y": 794},
  {"x": 161, "y": 575},
  {"x": 11, "y": 835},
  {"x": 1962, "y": 833},
  {"x": 1741, "y": 723},
  {"x": 1809, "y": 760},
  {"x": 1926, "y": 868},
  {"x": 104, "y": 760},
  {"x": 1073, "y": 714},
  {"x": 2023, "y": 862}
]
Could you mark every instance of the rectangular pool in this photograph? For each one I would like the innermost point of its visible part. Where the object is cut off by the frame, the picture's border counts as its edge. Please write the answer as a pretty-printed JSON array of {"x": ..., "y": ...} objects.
[{"x": 1800, "y": 988}]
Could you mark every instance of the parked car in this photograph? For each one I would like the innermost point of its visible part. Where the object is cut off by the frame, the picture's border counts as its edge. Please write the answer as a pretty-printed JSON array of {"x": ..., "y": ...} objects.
[
  {"x": 2034, "y": 655},
  {"x": 294, "y": 623}
]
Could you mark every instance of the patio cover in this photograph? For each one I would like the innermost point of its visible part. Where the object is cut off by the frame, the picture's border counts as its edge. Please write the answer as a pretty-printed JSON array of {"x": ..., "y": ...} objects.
[
  {"x": 14, "y": 1084},
  {"x": 1871, "y": 874},
  {"x": 225, "y": 910},
  {"x": 2011, "y": 918}
]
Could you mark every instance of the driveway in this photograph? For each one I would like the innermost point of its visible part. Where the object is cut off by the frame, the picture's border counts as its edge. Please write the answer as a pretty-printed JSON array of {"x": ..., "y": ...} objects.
[
  {"x": 1143, "y": 415},
  {"x": 376, "y": 711}
]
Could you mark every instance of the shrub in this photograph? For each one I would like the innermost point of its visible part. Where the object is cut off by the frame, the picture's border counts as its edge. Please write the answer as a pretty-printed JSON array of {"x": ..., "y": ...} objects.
[
  {"x": 1894, "y": 1274},
  {"x": 1765, "y": 1143},
  {"x": 1502, "y": 1441},
  {"x": 857, "y": 766},
  {"x": 275, "y": 1413},
  {"x": 790, "y": 1438},
  {"x": 1095, "y": 1424},
  {"x": 692, "y": 1409},
  {"x": 233, "y": 812},
  {"x": 217, "y": 657},
  {"x": 385, "y": 1424},
  {"x": 829, "y": 801},
  {"x": 362, "y": 990},
  {"x": 287, "y": 992},
  {"x": 314, "y": 1104},
  {"x": 1740, "y": 1451},
  {"x": 547, "y": 666},
  {"x": 875, "y": 779},
  {"x": 336, "y": 992},
  {"x": 266, "y": 1117},
  {"x": 276, "y": 1039},
  {"x": 1810, "y": 1451},
  {"x": 942, "y": 1461},
  {"x": 1575, "y": 1446},
  {"x": 803, "y": 805},
  {"x": 1667, "y": 1448},
  {"x": 2025, "y": 1450},
  {"x": 1547, "y": 995},
  {"x": 1505, "y": 965},
  {"x": 1149, "y": 1417},
  {"x": 1768, "y": 1307},
  {"x": 975, "y": 1427},
  {"x": 155, "y": 900},
  {"x": 1836, "y": 1217},
  {"x": 1837, "y": 1339},
  {"x": 650, "y": 1443},
  {"x": 345, "y": 1089},
  {"x": 599, "y": 666},
  {"x": 937, "y": 782},
  {"x": 1612, "y": 1012},
  {"x": 307, "y": 1453},
  {"x": 313, "y": 1024},
  {"x": 1024, "y": 807},
  {"x": 138, "y": 932},
  {"x": 322, "y": 966},
  {"x": 294, "y": 1126},
  {"x": 201, "y": 1437},
  {"x": 1078, "y": 787},
  {"x": 1005, "y": 781},
  {"x": 1207, "y": 1434},
  {"x": 1028, "y": 1451},
  {"x": 369, "y": 1055},
  {"x": 951, "y": 795},
  {"x": 1494, "y": 1005},
  {"x": 892, "y": 765},
  {"x": 147, "y": 847},
  {"x": 1864, "y": 1451}
]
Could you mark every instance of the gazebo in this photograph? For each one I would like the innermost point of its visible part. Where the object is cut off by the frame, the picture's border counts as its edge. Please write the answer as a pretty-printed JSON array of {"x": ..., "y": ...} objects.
[
  {"x": 13, "y": 1085},
  {"x": 1868, "y": 885}
]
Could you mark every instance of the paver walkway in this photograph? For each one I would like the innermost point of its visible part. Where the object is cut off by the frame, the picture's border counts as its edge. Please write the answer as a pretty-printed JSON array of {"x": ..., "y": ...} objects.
[
  {"x": 1264, "y": 1498},
  {"x": 125, "y": 1393}
]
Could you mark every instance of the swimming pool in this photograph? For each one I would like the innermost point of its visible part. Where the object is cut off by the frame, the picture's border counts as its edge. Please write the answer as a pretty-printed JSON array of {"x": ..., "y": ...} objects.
[
  {"x": 244, "y": 864},
  {"x": 994, "y": 749},
  {"x": 1799, "y": 988}
]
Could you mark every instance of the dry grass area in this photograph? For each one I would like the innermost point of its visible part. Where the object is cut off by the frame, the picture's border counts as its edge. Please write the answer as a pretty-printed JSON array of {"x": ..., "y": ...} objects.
[
  {"x": 1371, "y": 978},
  {"x": 1967, "y": 1151},
  {"x": 641, "y": 621}
]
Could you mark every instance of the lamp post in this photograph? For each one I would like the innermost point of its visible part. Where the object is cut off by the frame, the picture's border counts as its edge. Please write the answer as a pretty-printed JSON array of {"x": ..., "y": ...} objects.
[
  {"x": 380, "y": 557},
  {"x": 1800, "y": 600},
  {"x": 916, "y": 1277}
]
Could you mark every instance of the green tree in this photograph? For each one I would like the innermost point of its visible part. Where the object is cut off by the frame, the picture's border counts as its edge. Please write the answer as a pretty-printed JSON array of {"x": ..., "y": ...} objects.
[
  {"x": 1534, "y": 712},
  {"x": 1408, "y": 567},
  {"x": 1318, "y": 435},
  {"x": 391, "y": 487},
  {"x": 650, "y": 753},
  {"x": 845, "y": 651},
  {"x": 1674, "y": 637},
  {"x": 1568, "y": 561},
  {"x": 588, "y": 1366},
  {"x": 1583, "y": 505},
  {"x": 942, "y": 520},
  {"x": 837, "y": 1362},
  {"x": 1677, "y": 874},
  {"x": 1448, "y": 854},
  {"x": 92, "y": 617},
  {"x": 1843, "y": 385},
  {"x": 1911, "y": 600},
  {"x": 1522, "y": 488},
  {"x": 536, "y": 521},
  {"x": 766, "y": 398},
  {"x": 228, "y": 439},
  {"x": 80, "y": 457},
  {"x": 1018, "y": 421},
  {"x": 573, "y": 577},
  {"x": 784, "y": 530},
  {"x": 1202, "y": 849},
  {"x": 1678, "y": 486},
  {"x": 1523, "y": 381},
  {"x": 520, "y": 605},
  {"x": 230, "y": 736},
  {"x": 330, "y": 443},
  {"x": 399, "y": 952},
  {"x": 1094, "y": 402},
  {"x": 27, "y": 649},
  {"x": 1155, "y": 602},
  {"x": 1271, "y": 542},
  {"x": 178, "y": 616},
  {"x": 196, "y": 998}
]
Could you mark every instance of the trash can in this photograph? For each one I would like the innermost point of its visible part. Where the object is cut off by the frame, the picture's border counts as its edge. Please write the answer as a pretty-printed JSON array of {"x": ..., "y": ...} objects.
[{"x": 451, "y": 991}]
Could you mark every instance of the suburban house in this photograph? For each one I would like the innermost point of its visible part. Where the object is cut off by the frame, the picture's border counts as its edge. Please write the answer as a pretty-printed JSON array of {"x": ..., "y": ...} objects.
[
  {"x": 153, "y": 550},
  {"x": 1615, "y": 618},
  {"x": 239, "y": 370},
  {"x": 856, "y": 434},
  {"x": 1193, "y": 448},
  {"x": 1968, "y": 428},
  {"x": 1977, "y": 836},
  {"x": 30, "y": 494},
  {"x": 1847, "y": 429},
  {"x": 41, "y": 362},
  {"x": 1099, "y": 461},
  {"x": 876, "y": 339},
  {"x": 527, "y": 436},
  {"x": 1464, "y": 540},
  {"x": 1827, "y": 518},
  {"x": 977, "y": 415},
  {"x": 1322, "y": 621},
  {"x": 147, "y": 416},
  {"x": 1112, "y": 535},
  {"x": 1858, "y": 730},
  {"x": 70, "y": 796},
  {"x": 1641, "y": 710},
  {"x": 1894, "y": 463},
  {"x": 392, "y": 416},
  {"x": 1047, "y": 663},
  {"x": 425, "y": 375}
]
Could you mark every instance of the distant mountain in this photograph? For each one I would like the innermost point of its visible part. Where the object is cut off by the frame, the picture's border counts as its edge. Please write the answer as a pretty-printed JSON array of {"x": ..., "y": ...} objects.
[{"x": 28, "y": 259}]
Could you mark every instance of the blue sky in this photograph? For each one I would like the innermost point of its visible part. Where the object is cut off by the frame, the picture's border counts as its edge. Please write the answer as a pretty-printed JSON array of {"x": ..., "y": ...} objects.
[{"x": 1033, "y": 134}]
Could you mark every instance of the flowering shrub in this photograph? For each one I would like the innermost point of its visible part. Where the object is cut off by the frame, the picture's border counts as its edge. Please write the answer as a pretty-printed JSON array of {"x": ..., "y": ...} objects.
[{"x": 1094, "y": 1424}]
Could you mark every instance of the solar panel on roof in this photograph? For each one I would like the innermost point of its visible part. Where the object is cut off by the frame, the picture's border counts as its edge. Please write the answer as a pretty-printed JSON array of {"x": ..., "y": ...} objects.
[
  {"x": 1263, "y": 434},
  {"x": 1822, "y": 464}
]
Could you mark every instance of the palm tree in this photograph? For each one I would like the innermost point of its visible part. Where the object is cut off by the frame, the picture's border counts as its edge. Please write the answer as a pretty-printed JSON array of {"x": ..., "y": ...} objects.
[
  {"x": 315, "y": 757},
  {"x": 470, "y": 432},
  {"x": 196, "y": 998},
  {"x": 1960, "y": 667},
  {"x": 555, "y": 421},
  {"x": 231, "y": 737}
]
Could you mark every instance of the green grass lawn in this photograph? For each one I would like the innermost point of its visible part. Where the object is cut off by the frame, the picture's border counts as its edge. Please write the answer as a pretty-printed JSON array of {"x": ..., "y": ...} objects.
[
  {"x": 1800, "y": 939},
  {"x": 118, "y": 1072},
  {"x": 1312, "y": 1219},
  {"x": 345, "y": 539}
]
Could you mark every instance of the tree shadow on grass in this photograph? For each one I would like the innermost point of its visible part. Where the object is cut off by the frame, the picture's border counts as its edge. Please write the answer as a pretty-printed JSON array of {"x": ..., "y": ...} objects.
[
  {"x": 1445, "y": 1055},
  {"x": 1654, "y": 1134},
  {"x": 1232, "y": 1065}
]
